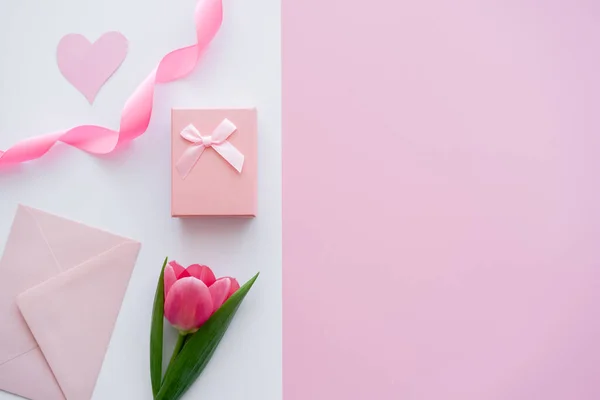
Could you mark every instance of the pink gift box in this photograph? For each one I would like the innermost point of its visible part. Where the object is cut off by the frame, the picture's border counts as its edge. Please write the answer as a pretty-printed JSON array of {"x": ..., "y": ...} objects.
[{"x": 212, "y": 186}]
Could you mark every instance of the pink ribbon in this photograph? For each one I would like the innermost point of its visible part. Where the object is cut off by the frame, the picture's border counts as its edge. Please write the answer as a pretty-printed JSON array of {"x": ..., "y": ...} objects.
[
  {"x": 135, "y": 116},
  {"x": 217, "y": 140}
]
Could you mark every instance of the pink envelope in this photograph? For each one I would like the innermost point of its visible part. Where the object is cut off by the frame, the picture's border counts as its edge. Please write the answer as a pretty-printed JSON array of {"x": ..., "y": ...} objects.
[{"x": 61, "y": 288}]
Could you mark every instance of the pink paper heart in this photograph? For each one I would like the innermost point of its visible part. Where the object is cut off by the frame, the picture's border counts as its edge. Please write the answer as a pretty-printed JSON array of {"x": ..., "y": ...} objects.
[{"x": 87, "y": 66}]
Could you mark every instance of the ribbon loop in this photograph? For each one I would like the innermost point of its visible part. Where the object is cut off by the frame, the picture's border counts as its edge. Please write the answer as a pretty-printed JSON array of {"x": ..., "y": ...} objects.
[
  {"x": 223, "y": 131},
  {"x": 217, "y": 140},
  {"x": 191, "y": 134}
]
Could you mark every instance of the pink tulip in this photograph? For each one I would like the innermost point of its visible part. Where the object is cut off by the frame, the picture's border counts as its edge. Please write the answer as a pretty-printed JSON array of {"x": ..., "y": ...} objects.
[{"x": 193, "y": 294}]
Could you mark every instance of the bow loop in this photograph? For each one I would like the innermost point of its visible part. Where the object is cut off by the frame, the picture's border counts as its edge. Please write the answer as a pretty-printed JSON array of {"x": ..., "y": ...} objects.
[
  {"x": 223, "y": 131},
  {"x": 217, "y": 140},
  {"x": 191, "y": 134}
]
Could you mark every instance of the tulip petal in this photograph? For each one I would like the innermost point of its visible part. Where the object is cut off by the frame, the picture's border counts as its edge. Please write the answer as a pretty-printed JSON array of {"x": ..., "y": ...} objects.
[
  {"x": 184, "y": 274},
  {"x": 188, "y": 304},
  {"x": 219, "y": 292},
  {"x": 178, "y": 268},
  {"x": 170, "y": 276},
  {"x": 202, "y": 272},
  {"x": 235, "y": 285}
]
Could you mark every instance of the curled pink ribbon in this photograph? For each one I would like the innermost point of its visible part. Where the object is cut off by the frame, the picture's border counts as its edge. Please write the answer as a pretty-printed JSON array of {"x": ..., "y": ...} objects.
[
  {"x": 217, "y": 140},
  {"x": 135, "y": 116}
]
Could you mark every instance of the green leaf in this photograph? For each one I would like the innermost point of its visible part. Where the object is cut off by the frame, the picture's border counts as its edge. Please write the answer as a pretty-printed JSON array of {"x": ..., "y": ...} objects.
[
  {"x": 156, "y": 332},
  {"x": 199, "y": 347}
]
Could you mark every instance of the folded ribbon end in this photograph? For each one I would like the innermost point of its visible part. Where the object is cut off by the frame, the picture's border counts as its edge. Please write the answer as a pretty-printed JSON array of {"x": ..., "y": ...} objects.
[
  {"x": 183, "y": 173},
  {"x": 188, "y": 159},
  {"x": 239, "y": 164}
]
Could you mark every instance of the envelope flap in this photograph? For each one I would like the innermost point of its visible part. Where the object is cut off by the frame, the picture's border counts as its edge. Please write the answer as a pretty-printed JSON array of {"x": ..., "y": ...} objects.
[
  {"x": 26, "y": 262},
  {"x": 17, "y": 375},
  {"x": 73, "y": 243},
  {"x": 72, "y": 317}
]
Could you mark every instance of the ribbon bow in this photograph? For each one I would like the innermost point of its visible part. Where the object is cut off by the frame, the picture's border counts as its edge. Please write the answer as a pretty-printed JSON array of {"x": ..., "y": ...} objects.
[{"x": 217, "y": 140}]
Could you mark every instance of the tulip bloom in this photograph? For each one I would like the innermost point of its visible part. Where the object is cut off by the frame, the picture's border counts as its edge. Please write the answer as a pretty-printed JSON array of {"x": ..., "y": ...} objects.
[{"x": 193, "y": 294}]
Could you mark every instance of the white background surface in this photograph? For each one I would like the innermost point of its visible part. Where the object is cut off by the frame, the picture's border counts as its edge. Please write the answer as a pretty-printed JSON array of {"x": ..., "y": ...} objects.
[{"x": 128, "y": 193}]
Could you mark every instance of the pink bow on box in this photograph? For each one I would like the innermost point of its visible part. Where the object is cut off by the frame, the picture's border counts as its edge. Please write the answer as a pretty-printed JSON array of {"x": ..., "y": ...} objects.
[{"x": 217, "y": 140}]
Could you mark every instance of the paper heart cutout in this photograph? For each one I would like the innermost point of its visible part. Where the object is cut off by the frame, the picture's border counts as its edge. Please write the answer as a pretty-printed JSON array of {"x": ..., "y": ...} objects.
[{"x": 87, "y": 66}]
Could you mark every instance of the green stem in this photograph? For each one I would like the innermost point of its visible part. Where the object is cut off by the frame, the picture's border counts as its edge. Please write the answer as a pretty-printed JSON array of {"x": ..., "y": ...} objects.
[{"x": 178, "y": 346}]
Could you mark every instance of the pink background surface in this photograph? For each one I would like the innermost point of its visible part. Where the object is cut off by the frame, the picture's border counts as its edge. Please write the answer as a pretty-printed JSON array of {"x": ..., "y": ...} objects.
[
  {"x": 214, "y": 187},
  {"x": 441, "y": 215}
]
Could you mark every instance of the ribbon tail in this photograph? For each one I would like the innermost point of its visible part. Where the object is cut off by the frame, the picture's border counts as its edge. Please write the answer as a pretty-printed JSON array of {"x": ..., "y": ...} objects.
[
  {"x": 231, "y": 154},
  {"x": 188, "y": 159}
]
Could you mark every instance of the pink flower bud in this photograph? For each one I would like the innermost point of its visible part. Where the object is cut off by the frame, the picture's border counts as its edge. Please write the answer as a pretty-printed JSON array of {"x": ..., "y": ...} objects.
[{"x": 193, "y": 294}]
